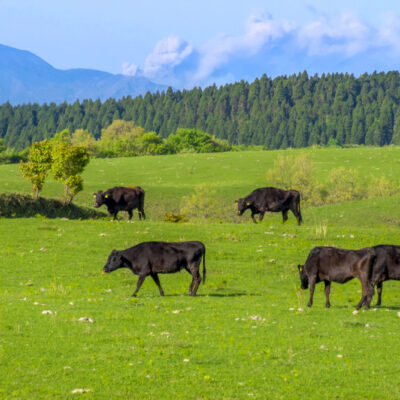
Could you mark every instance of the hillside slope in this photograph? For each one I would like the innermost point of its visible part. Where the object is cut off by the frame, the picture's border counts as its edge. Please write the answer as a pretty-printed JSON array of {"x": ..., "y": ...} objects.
[{"x": 26, "y": 78}]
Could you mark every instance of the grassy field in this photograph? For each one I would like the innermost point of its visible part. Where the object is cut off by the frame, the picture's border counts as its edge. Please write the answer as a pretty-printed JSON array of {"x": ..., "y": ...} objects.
[{"x": 248, "y": 334}]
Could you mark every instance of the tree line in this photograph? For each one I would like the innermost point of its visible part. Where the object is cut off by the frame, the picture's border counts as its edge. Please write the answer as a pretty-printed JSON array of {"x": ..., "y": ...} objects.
[{"x": 287, "y": 111}]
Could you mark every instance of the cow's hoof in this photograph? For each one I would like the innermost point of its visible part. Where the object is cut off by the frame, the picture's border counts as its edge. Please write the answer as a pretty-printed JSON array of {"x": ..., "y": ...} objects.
[
  {"x": 327, "y": 305},
  {"x": 309, "y": 305}
]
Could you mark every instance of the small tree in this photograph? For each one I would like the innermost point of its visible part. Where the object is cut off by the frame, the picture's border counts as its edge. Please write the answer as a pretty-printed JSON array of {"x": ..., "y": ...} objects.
[
  {"x": 38, "y": 165},
  {"x": 67, "y": 163},
  {"x": 201, "y": 205}
]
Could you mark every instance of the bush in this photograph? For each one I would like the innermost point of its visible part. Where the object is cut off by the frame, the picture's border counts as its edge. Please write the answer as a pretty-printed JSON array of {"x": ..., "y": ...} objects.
[
  {"x": 192, "y": 140},
  {"x": 201, "y": 205},
  {"x": 177, "y": 218},
  {"x": 344, "y": 185},
  {"x": 381, "y": 187},
  {"x": 297, "y": 173}
]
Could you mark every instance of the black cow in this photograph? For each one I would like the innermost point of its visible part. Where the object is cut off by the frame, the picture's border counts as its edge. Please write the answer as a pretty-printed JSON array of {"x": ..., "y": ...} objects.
[
  {"x": 386, "y": 267},
  {"x": 271, "y": 199},
  {"x": 121, "y": 198},
  {"x": 153, "y": 258},
  {"x": 330, "y": 264}
]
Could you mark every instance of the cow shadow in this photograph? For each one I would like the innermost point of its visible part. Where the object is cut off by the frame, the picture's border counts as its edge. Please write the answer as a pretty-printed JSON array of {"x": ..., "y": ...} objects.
[
  {"x": 390, "y": 308},
  {"x": 217, "y": 295}
]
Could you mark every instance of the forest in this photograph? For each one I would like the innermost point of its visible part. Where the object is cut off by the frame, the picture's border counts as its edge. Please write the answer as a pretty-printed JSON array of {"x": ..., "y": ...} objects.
[{"x": 287, "y": 111}]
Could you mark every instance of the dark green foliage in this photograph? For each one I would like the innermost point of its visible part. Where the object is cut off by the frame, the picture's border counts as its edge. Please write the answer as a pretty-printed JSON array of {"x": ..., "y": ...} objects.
[
  {"x": 22, "y": 206},
  {"x": 191, "y": 140},
  {"x": 295, "y": 111}
]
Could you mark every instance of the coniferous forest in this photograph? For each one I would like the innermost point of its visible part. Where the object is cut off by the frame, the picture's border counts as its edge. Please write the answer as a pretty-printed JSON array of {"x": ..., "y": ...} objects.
[{"x": 294, "y": 111}]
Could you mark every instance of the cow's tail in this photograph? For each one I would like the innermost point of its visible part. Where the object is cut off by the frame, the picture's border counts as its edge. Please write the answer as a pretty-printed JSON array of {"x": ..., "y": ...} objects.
[
  {"x": 204, "y": 265},
  {"x": 298, "y": 208}
]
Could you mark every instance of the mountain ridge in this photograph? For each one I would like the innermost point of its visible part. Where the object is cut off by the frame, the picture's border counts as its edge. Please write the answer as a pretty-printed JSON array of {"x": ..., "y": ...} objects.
[{"x": 27, "y": 78}]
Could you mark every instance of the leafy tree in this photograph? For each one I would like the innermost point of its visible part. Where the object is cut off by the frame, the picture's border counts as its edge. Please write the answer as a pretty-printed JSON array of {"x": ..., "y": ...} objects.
[
  {"x": 38, "y": 165},
  {"x": 151, "y": 144},
  {"x": 67, "y": 163}
]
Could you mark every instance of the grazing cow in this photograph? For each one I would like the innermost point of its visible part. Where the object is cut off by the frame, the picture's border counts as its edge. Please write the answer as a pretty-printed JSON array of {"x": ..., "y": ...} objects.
[
  {"x": 330, "y": 264},
  {"x": 271, "y": 199},
  {"x": 153, "y": 258},
  {"x": 121, "y": 198},
  {"x": 386, "y": 267}
]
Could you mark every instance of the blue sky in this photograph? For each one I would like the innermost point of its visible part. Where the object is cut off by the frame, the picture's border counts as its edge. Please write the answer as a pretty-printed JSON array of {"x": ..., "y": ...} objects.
[{"x": 183, "y": 43}]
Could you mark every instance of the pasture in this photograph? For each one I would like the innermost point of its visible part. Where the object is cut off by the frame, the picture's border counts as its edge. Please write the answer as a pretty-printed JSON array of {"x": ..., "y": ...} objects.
[{"x": 247, "y": 335}]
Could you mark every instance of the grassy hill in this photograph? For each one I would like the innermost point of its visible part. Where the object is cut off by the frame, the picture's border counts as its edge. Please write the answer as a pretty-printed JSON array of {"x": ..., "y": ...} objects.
[{"x": 248, "y": 334}]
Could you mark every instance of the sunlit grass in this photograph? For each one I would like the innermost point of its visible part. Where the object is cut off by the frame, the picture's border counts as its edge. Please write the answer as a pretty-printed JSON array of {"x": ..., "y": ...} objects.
[{"x": 248, "y": 333}]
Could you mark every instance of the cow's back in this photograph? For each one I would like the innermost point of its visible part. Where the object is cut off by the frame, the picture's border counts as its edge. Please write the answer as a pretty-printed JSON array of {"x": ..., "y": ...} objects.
[
  {"x": 268, "y": 197},
  {"x": 338, "y": 265},
  {"x": 165, "y": 257}
]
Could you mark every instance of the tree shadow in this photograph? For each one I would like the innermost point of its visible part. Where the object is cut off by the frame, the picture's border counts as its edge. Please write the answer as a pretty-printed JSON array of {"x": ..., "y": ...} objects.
[{"x": 14, "y": 205}]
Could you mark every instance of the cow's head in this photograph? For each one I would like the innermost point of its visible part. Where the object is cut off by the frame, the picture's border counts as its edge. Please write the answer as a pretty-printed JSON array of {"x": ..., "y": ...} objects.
[
  {"x": 242, "y": 205},
  {"x": 303, "y": 277},
  {"x": 99, "y": 198},
  {"x": 115, "y": 260}
]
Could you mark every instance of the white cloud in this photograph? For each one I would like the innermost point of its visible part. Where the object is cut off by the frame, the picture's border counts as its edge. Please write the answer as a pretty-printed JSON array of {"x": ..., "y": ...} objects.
[
  {"x": 346, "y": 36},
  {"x": 129, "y": 69},
  {"x": 389, "y": 33},
  {"x": 274, "y": 46},
  {"x": 167, "y": 54},
  {"x": 260, "y": 29}
]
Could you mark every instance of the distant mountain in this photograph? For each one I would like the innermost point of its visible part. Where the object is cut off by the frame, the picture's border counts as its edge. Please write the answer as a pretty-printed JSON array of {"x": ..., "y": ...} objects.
[{"x": 26, "y": 78}]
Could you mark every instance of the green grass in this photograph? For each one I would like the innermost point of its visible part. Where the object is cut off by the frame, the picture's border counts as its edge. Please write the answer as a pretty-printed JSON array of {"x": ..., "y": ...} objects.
[{"x": 248, "y": 333}]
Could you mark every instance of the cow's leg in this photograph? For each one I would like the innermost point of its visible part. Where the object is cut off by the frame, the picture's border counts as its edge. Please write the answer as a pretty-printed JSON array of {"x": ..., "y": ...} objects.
[
  {"x": 115, "y": 215},
  {"x": 368, "y": 298},
  {"x": 312, "y": 288},
  {"x": 284, "y": 216},
  {"x": 130, "y": 215},
  {"x": 191, "y": 283},
  {"x": 196, "y": 278},
  {"x": 252, "y": 216},
  {"x": 139, "y": 283},
  {"x": 297, "y": 214},
  {"x": 379, "y": 291},
  {"x": 261, "y": 216},
  {"x": 157, "y": 281},
  {"x": 367, "y": 293},
  {"x": 141, "y": 213},
  {"x": 327, "y": 291}
]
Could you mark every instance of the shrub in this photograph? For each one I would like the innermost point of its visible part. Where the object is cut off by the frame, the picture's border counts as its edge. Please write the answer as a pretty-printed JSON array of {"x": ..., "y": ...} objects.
[
  {"x": 344, "y": 185},
  {"x": 201, "y": 205},
  {"x": 193, "y": 140},
  {"x": 297, "y": 173},
  {"x": 177, "y": 218},
  {"x": 381, "y": 187}
]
